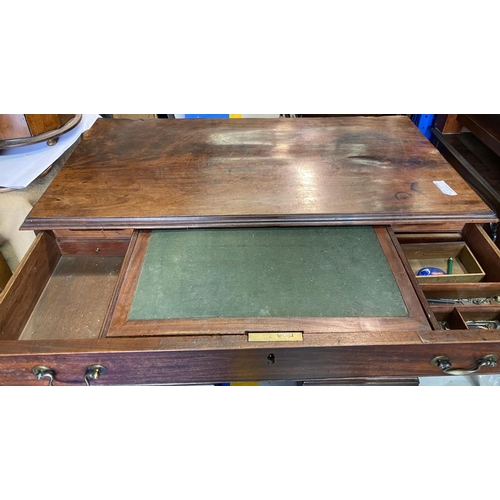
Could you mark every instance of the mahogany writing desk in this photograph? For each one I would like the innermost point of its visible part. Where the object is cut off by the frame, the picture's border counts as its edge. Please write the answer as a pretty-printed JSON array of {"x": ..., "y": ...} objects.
[{"x": 204, "y": 251}]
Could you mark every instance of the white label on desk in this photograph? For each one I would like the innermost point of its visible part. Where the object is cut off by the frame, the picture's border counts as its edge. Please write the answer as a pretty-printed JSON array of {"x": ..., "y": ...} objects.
[{"x": 445, "y": 188}]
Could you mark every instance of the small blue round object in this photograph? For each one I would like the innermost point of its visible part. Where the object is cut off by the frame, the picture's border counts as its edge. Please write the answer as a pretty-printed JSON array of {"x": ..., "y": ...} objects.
[{"x": 430, "y": 271}]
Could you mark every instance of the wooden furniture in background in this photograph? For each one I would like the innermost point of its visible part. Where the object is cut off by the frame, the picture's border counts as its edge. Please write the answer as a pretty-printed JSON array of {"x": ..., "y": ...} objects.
[
  {"x": 471, "y": 143},
  {"x": 20, "y": 130}
]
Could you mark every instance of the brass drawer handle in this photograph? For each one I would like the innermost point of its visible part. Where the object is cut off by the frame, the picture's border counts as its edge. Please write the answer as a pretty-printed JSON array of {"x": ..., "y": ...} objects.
[
  {"x": 44, "y": 372},
  {"x": 94, "y": 372},
  {"x": 444, "y": 363}
]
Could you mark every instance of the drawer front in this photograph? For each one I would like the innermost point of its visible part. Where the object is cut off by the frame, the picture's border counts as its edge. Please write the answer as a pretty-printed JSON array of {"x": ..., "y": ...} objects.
[{"x": 195, "y": 367}]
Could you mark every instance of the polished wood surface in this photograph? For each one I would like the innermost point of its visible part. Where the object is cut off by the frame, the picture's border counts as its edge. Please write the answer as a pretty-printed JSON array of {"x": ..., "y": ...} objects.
[
  {"x": 17, "y": 126},
  {"x": 159, "y": 361},
  {"x": 196, "y": 173},
  {"x": 13, "y": 126},
  {"x": 39, "y": 124}
]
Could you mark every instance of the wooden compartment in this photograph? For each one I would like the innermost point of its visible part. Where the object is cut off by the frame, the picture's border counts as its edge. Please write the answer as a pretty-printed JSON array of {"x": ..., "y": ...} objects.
[
  {"x": 60, "y": 293},
  {"x": 451, "y": 306},
  {"x": 449, "y": 319},
  {"x": 485, "y": 252},
  {"x": 466, "y": 268},
  {"x": 481, "y": 318}
]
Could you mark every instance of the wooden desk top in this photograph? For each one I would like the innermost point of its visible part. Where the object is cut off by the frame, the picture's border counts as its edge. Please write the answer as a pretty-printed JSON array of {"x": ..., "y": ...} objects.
[{"x": 196, "y": 173}]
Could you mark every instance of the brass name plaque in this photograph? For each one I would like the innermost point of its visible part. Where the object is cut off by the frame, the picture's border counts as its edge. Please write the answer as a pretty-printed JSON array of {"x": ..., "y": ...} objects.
[{"x": 275, "y": 337}]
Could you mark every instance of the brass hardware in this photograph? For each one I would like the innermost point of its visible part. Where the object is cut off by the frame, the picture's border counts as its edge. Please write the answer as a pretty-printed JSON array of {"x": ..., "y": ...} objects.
[
  {"x": 53, "y": 141},
  {"x": 44, "y": 372},
  {"x": 94, "y": 372},
  {"x": 275, "y": 337},
  {"x": 444, "y": 363}
]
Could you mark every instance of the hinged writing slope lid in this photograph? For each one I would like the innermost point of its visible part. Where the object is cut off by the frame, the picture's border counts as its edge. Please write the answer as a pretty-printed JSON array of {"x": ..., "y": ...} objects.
[
  {"x": 186, "y": 173},
  {"x": 311, "y": 279}
]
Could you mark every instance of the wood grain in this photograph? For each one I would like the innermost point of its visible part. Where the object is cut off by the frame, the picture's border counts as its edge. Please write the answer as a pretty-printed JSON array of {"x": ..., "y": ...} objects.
[
  {"x": 460, "y": 290},
  {"x": 102, "y": 246},
  {"x": 195, "y": 173},
  {"x": 74, "y": 302},
  {"x": 485, "y": 251},
  {"x": 13, "y": 127},
  {"x": 448, "y": 124},
  {"x": 39, "y": 124},
  {"x": 151, "y": 361}
]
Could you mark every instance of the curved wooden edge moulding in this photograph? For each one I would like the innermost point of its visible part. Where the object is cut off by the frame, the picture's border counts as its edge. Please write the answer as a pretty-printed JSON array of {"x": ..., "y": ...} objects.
[{"x": 51, "y": 136}]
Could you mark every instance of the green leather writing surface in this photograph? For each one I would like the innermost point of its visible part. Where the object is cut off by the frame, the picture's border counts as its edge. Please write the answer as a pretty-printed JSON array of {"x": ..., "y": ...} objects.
[{"x": 278, "y": 272}]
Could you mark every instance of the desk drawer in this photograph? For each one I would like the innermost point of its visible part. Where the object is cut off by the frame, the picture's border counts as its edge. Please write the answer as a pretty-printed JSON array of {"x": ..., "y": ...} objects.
[{"x": 59, "y": 311}]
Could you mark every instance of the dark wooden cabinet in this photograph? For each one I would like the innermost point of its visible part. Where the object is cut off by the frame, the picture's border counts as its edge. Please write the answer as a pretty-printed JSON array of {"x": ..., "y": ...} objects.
[
  {"x": 67, "y": 309},
  {"x": 471, "y": 143}
]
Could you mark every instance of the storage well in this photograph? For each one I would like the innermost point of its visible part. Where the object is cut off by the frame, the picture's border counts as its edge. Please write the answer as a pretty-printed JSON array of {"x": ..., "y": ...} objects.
[{"x": 466, "y": 268}]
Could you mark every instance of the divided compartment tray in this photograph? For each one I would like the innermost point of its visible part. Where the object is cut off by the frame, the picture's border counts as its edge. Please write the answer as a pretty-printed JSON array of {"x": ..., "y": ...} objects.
[
  {"x": 468, "y": 318},
  {"x": 466, "y": 268}
]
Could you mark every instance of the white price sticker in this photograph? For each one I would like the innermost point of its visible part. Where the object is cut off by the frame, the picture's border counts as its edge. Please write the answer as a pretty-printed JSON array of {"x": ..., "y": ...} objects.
[{"x": 445, "y": 189}]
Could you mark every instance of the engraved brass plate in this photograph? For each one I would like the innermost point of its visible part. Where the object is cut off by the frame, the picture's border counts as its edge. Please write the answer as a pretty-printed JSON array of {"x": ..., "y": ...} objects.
[{"x": 275, "y": 337}]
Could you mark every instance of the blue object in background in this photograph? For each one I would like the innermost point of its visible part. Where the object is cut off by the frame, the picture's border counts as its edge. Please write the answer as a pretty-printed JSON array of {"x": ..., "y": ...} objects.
[
  {"x": 424, "y": 123},
  {"x": 206, "y": 116}
]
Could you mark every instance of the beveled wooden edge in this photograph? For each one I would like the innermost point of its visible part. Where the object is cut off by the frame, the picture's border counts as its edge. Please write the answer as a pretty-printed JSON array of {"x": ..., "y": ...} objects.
[
  {"x": 117, "y": 323},
  {"x": 115, "y": 309},
  {"x": 239, "y": 326},
  {"x": 257, "y": 220},
  {"x": 403, "y": 279},
  {"x": 460, "y": 290},
  {"x": 193, "y": 343}
]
